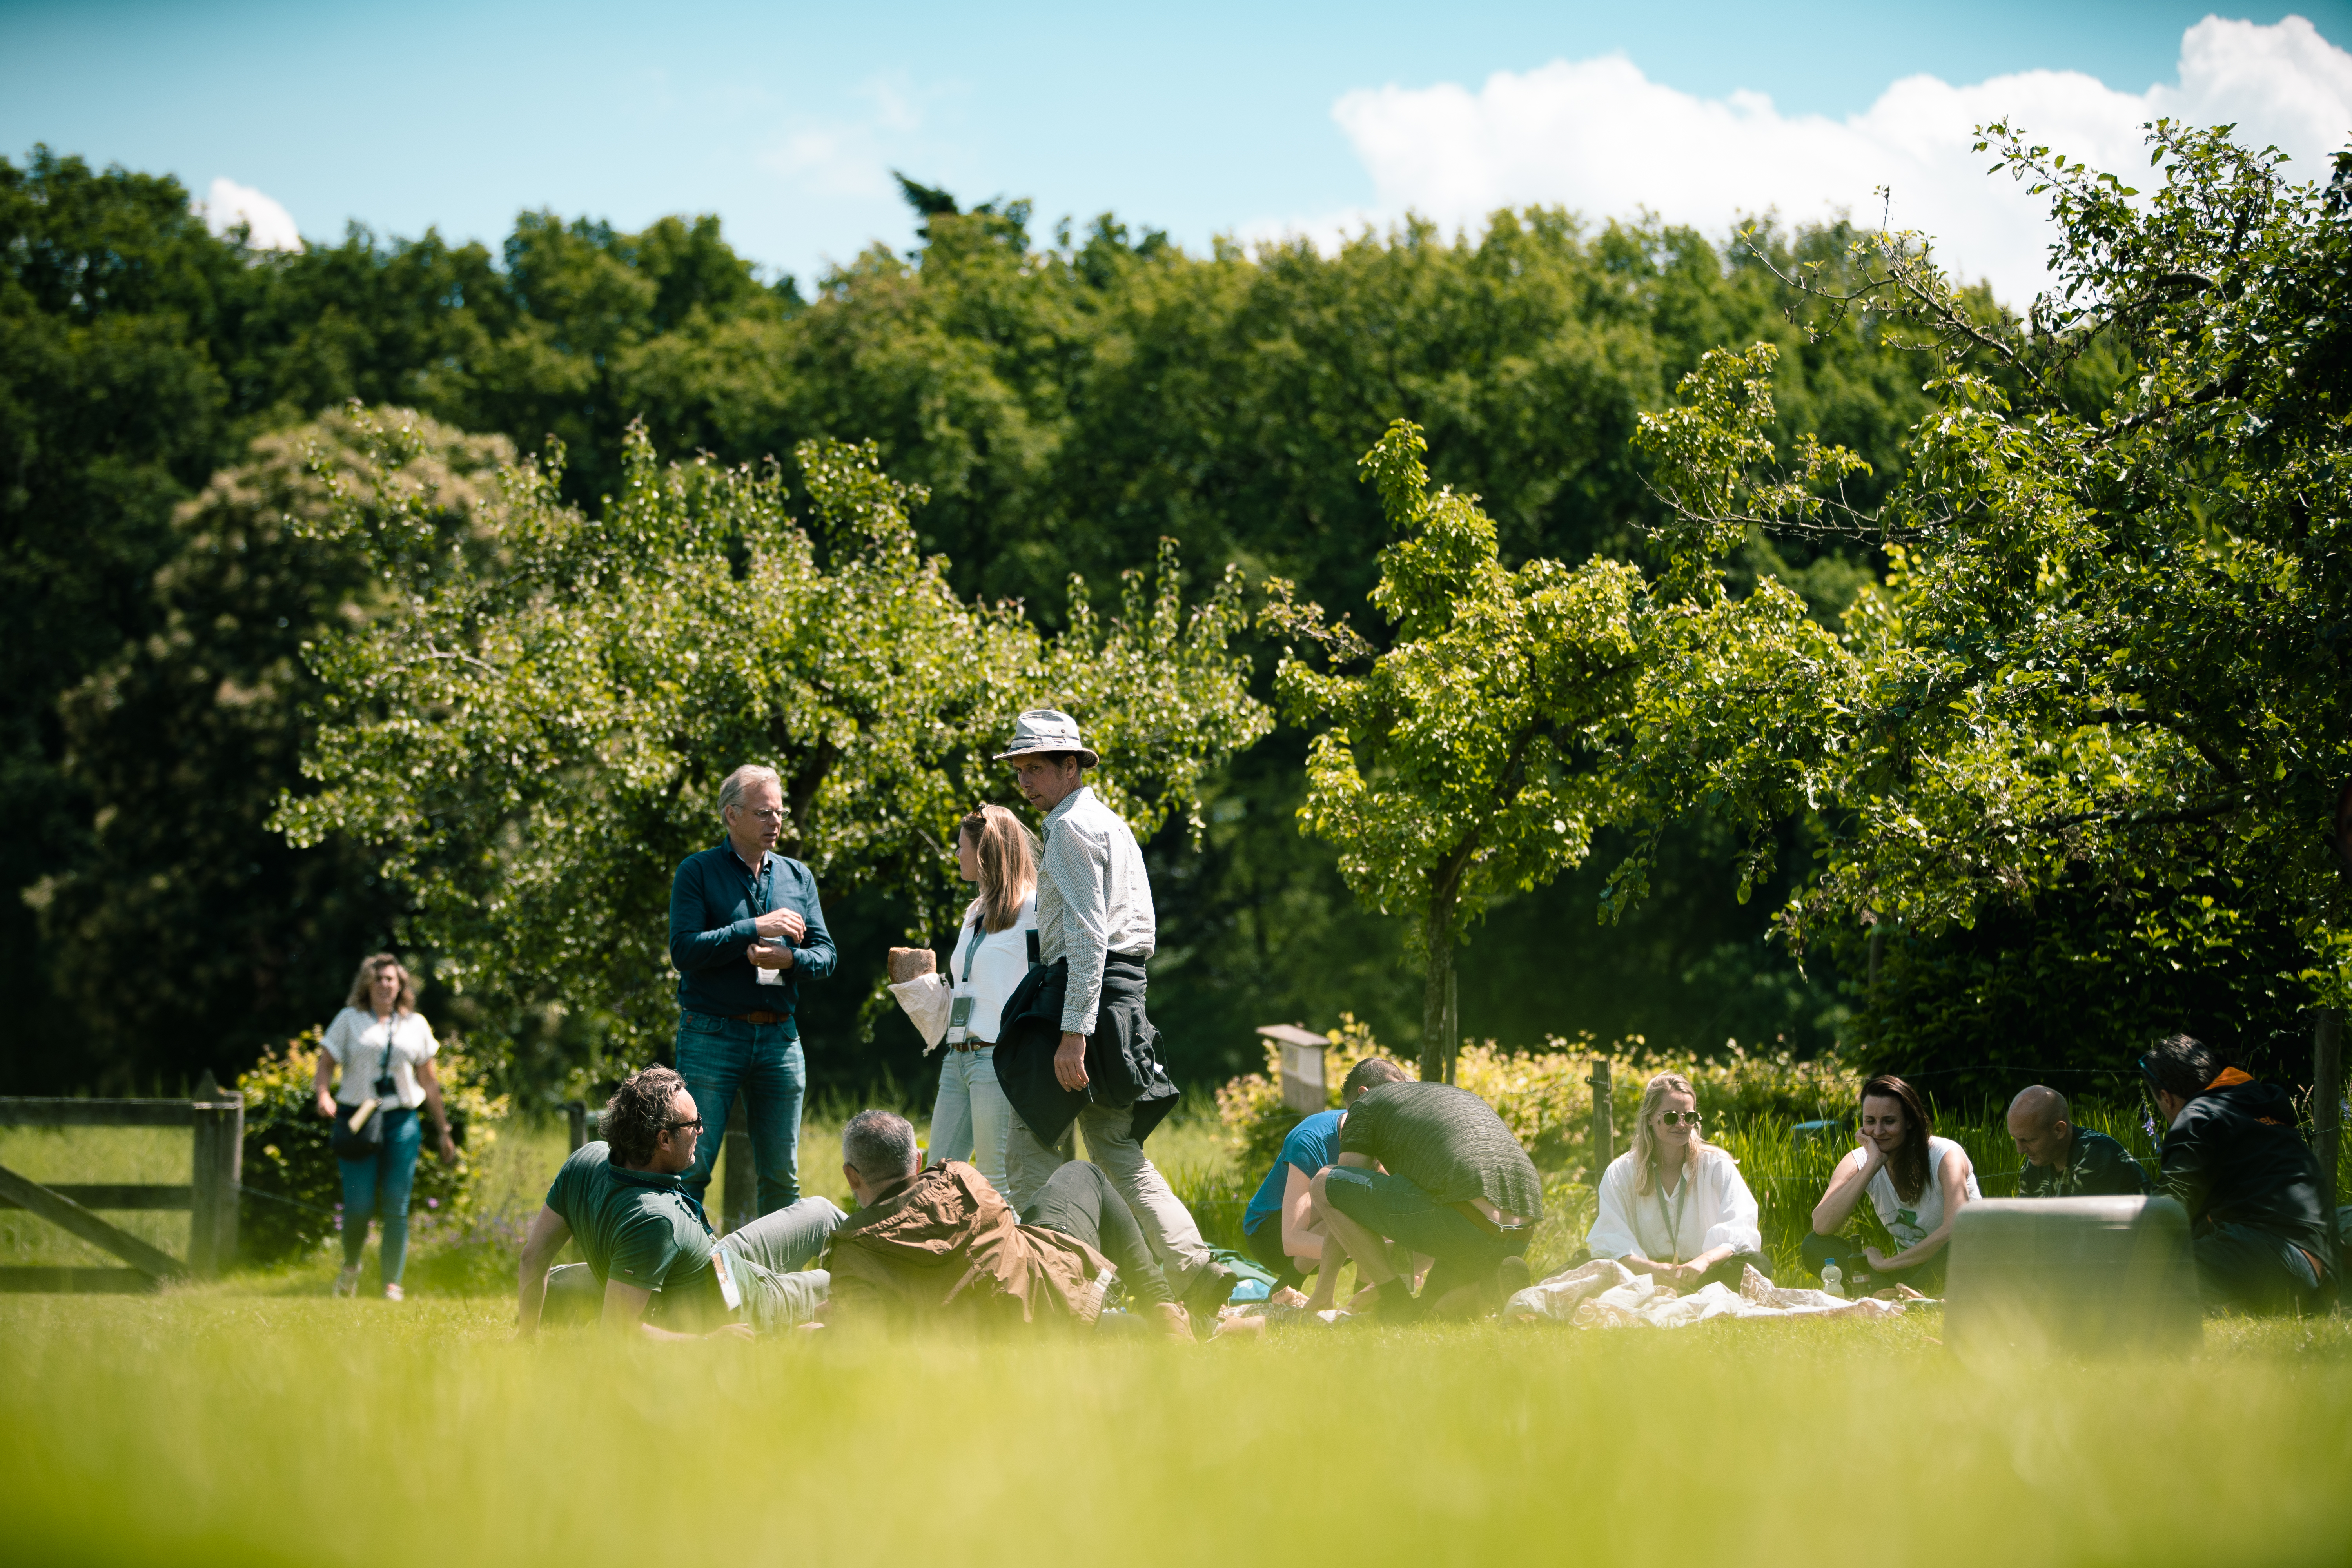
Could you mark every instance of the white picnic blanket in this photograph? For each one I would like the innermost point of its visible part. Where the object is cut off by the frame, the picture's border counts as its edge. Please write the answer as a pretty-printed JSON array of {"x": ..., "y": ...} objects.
[{"x": 1605, "y": 1294}]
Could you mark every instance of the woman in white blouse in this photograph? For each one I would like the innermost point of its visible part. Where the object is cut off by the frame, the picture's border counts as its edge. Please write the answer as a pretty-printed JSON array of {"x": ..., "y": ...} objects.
[
  {"x": 964, "y": 1008},
  {"x": 385, "y": 1049},
  {"x": 1674, "y": 1206}
]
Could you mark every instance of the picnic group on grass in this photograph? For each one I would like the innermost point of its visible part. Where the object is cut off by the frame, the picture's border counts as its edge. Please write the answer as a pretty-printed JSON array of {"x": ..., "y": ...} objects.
[{"x": 1042, "y": 1026}]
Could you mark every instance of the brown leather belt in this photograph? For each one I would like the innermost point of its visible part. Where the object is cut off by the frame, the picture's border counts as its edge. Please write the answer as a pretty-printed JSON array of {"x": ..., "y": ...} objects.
[
  {"x": 759, "y": 1017},
  {"x": 968, "y": 1045}
]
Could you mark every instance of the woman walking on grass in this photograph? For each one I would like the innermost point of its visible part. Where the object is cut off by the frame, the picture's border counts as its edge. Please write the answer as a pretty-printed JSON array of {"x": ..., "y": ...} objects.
[
  {"x": 1674, "y": 1206},
  {"x": 1917, "y": 1182},
  {"x": 385, "y": 1049}
]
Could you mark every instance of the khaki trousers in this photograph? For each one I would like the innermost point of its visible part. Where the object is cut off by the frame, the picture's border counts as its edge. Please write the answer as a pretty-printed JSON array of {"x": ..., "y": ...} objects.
[{"x": 1167, "y": 1226}]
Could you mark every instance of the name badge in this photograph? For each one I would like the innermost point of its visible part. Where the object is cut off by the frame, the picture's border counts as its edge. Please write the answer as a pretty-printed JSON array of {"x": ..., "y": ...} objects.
[
  {"x": 960, "y": 1014},
  {"x": 728, "y": 1292}
]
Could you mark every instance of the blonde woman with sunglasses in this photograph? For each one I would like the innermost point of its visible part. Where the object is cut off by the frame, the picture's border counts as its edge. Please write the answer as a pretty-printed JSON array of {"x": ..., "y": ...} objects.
[{"x": 1674, "y": 1206}]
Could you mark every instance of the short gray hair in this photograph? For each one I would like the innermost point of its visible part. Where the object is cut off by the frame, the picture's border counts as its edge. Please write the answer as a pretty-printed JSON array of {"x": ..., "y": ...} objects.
[
  {"x": 731, "y": 788},
  {"x": 879, "y": 1145}
]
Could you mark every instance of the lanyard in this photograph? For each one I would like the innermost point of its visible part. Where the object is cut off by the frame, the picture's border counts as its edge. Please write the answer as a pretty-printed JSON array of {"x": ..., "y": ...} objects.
[
  {"x": 971, "y": 950},
  {"x": 1674, "y": 1218}
]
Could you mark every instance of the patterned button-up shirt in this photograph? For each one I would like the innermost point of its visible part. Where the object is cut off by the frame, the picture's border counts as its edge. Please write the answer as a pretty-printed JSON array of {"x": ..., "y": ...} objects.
[{"x": 1093, "y": 900}]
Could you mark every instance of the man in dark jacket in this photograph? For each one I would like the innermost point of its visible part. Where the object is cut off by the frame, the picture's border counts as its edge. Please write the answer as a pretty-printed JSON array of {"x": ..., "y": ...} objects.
[
  {"x": 2063, "y": 1161},
  {"x": 938, "y": 1244},
  {"x": 745, "y": 931},
  {"x": 2257, "y": 1219},
  {"x": 1433, "y": 1167}
]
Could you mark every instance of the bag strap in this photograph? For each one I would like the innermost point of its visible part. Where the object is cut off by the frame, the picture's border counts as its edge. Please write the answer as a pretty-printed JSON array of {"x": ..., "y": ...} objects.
[{"x": 1033, "y": 959}]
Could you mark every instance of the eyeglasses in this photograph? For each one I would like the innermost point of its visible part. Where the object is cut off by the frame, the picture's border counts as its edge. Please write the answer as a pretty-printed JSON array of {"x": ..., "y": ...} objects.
[
  {"x": 763, "y": 815},
  {"x": 681, "y": 1126},
  {"x": 1679, "y": 1118}
]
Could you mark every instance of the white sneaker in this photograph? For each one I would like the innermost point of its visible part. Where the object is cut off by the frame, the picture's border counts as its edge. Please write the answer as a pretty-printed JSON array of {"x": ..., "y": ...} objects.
[
  {"x": 395, "y": 1293},
  {"x": 346, "y": 1283}
]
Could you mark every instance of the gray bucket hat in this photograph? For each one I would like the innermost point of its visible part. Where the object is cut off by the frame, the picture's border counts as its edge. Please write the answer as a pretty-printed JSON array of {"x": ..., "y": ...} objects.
[{"x": 1047, "y": 730}]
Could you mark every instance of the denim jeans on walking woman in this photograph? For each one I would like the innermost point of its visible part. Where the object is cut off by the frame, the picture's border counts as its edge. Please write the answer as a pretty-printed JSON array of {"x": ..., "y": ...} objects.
[
  {"x": 380, "y": 1185},
  {"x": 717, "y": 1057},
  {"x": 971, "y": 1116}
]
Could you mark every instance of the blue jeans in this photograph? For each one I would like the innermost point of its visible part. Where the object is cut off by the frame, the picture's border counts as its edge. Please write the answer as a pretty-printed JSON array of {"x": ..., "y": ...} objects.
[
  {"x": 380, "y": 1185},
  {"x": 718, "y": 1056},
  {"x": 2238, "y": 1266},
  {"x": 971, "y": 1117}
]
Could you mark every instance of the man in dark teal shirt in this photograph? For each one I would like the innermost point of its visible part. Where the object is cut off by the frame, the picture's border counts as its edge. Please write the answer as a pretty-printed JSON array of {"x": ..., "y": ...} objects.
[
  {"x": 745, "y": 929},
  {"x": 654, "y": 1266}
]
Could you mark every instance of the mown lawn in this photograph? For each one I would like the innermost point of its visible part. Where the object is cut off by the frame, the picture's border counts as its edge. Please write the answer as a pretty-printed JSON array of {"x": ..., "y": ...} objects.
[{"x": 214, "y": 1426}]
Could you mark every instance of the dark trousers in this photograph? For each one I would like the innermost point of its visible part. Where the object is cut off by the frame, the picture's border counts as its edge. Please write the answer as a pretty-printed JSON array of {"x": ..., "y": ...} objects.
[
  {"x": 1079, "y": 1201},
  {"x": 1733, "y": 1270},
  {"x": 1925, "y": 1277},
  {"x": 2253, "y": 1270},
  {"x": 1265, "y": 1244}
]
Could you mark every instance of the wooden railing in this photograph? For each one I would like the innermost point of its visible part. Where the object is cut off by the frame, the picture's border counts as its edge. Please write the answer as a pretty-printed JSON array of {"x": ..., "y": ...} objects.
[{"x": 215, "y": 1118}]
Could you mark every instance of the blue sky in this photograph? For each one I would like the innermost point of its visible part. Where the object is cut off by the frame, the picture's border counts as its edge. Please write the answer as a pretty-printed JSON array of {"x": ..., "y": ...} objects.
[{"x": 1220, "y": 118}]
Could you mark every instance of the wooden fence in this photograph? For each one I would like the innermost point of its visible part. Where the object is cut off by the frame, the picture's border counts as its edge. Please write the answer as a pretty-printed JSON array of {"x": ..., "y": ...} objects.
[{"x": 216, "y": 1120}]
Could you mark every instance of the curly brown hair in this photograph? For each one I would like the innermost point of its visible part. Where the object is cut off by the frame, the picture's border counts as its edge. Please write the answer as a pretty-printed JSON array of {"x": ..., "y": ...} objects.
[{"x": 632, "y": 1122}]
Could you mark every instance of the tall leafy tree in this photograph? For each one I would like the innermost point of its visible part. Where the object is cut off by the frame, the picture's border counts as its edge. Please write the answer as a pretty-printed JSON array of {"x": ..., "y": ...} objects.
[
  {"x": 2108, "y": 659},
  {"x": 531, "y": 733}
]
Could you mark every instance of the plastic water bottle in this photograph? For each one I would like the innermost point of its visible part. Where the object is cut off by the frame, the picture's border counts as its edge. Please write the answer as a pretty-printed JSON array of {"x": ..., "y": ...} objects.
[{"x": 1833, "y": 1279}]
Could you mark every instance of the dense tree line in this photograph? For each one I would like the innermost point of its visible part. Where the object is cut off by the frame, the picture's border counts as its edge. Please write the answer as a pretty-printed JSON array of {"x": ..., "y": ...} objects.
[{"x": 1066, "y": 400}]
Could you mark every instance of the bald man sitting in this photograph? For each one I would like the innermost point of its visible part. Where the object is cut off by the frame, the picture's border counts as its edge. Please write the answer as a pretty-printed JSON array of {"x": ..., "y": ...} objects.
[{"x": 2063, "y": 1161}]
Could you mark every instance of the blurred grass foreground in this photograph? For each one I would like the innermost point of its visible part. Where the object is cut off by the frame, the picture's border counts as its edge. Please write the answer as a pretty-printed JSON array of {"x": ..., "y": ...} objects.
[{"x": 256, "y": 1421}]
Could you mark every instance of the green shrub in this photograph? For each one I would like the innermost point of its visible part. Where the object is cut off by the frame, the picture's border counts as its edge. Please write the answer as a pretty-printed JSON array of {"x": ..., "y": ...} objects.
[{"x": 293, "y": 1188}]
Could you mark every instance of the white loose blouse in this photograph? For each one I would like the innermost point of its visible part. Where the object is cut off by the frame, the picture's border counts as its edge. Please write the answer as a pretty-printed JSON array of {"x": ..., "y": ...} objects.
[
  {"x": 996, "y": 967},
  {"x": 1911, "y": 1224},
  {"x": 1709, "y": 1207},
  {"x": 356, "y": 1042}
]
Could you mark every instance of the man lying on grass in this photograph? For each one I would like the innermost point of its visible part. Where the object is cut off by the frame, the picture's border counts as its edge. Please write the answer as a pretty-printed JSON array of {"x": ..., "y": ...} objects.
[
  {"x": 1456, "y": 1187},
  {"x": 937, "y": 1245},
  {"x": 648, "y": 1243}
]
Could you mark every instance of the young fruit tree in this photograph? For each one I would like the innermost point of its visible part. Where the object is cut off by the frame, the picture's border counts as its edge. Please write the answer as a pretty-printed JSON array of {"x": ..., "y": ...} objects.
[
  {"x": 1460, "y": 762},
  {"x": 531, "y": 728}
]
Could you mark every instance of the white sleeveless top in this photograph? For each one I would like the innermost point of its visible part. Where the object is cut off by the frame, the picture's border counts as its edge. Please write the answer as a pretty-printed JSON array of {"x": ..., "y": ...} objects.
[{"x": 1911, "y": 1224}]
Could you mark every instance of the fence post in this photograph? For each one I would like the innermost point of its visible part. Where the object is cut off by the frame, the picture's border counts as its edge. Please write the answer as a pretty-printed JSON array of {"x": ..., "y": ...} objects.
[
  {"x": 575, "y": 1117},
  {"x": 1605, "y": 1134},
  {"x": 215, "y": 1179},
  {"x": 2327, "y": 1094},
  {"x": 743, "y": 1187}
]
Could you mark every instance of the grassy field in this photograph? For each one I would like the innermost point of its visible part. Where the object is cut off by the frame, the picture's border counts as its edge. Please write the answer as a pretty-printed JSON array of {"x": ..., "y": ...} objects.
[
  {"x": 257, "y": 1421},
  {"x": 211, "y": 1425}
]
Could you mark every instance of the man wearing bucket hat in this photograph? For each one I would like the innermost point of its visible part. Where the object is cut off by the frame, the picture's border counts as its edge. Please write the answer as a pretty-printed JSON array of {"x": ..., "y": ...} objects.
[{"x": 1075, "y": 1043}]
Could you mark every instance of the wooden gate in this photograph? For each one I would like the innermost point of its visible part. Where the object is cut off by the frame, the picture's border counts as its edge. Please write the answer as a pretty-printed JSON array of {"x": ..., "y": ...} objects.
[{"x": 216, "y": 1120}]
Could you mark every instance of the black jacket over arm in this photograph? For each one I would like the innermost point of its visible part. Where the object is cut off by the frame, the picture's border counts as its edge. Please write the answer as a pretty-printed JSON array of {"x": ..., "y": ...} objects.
[{"x": 1122, "y": 1054}]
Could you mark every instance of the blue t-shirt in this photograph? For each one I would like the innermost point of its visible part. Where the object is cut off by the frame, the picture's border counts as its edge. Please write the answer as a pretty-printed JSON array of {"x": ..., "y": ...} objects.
[{"x": 1312, "y": 1144}]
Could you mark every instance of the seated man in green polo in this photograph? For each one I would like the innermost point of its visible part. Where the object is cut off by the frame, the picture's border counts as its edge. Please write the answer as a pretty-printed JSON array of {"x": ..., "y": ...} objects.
[
  {"x": 654, "y": 1266},
  {"x": 1433, "y": 1167}
]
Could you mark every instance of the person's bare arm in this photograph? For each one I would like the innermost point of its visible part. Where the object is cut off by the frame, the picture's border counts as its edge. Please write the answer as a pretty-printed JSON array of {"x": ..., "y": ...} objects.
[
  {"x": 1303, "y": 1235},
  {"x": 1367, "y": 1249},
  {"x": 1952, "y": 1176},
  {"x": 431, "y": 1082},
  {"x": 545, "y": 1238},
  {"x": 625, "y": 1310},
  {"x": 322, "y": 1085},
  {"x": 1846, "y": 1189}
]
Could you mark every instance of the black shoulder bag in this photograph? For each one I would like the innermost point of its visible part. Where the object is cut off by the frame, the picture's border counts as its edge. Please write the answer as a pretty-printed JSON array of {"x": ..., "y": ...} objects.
[{"x": 359, "y": 1129}]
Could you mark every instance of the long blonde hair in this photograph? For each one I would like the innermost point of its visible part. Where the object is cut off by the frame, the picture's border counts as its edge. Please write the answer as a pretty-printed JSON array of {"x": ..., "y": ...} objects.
[
  {"x": 1008, "y": 865},
  {"x": 362, "y": 996},
  {"x": 1645, "y": 1132}
]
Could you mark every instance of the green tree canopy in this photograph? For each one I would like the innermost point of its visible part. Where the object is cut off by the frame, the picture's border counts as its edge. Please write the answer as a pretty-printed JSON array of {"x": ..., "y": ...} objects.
[
  {"x": 2109, "y": 657},
  {"x": 532, "y": 731}
]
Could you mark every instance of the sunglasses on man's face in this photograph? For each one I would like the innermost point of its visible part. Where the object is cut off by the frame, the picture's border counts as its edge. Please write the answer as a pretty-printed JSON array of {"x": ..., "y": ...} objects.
[
  {"x": 695, "y": 1125},
  {"x": 1679, "y": 1118}
]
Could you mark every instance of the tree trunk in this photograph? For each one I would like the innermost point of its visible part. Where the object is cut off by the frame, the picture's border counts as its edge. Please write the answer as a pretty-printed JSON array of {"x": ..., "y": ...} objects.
[{"x": 1436, "y": 1005}]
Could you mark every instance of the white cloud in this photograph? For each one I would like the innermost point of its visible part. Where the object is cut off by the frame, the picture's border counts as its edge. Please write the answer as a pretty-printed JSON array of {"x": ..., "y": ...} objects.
[
  {"x": 1600, "y": 137},
  {"x": 229, "y": 204}
]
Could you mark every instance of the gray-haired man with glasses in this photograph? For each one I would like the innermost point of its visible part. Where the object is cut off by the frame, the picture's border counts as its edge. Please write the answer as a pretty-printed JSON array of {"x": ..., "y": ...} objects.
[{"x": 745, "y": 929}]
